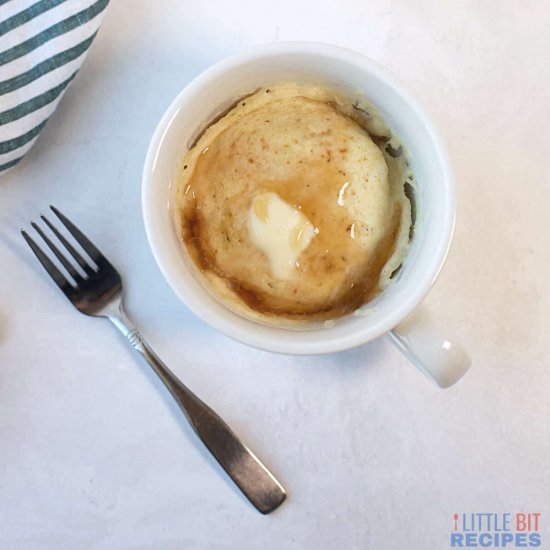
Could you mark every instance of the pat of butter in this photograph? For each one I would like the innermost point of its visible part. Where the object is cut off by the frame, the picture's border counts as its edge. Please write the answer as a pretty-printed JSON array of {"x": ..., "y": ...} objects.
[{"x": 280, "y": 231}]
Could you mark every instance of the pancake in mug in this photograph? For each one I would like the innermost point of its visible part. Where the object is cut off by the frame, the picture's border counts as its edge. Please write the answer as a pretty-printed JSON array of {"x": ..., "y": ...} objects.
[{"x": 293, "y": 205}]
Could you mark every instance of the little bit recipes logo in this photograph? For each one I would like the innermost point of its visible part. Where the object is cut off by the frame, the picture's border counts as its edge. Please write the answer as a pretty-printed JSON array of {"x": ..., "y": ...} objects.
[{"x": 490, "y": 530}]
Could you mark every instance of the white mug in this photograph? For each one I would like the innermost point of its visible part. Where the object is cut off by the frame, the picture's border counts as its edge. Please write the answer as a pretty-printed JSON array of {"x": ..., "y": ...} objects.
[{"x": 395, "y": 310}]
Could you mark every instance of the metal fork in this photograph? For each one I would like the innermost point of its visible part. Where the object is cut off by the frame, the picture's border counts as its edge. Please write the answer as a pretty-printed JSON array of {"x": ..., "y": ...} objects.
[{"x": 98, "y": 292}]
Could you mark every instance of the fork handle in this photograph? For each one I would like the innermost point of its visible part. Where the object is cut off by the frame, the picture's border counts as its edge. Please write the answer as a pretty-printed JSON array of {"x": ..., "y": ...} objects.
[{"x": 255, "y": 481}]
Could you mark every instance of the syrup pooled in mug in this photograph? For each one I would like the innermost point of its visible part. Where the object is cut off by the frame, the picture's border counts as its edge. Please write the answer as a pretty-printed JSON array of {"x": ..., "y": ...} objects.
[{"x": 293, "y": 205}]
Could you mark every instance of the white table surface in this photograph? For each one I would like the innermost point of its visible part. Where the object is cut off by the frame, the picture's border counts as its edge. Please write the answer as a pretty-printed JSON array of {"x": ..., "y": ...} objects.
[{"x": 93, "y": 453}]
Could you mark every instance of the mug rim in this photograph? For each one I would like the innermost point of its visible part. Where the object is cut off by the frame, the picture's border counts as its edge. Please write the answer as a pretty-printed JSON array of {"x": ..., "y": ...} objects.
[{"x": 271, "y": 340}]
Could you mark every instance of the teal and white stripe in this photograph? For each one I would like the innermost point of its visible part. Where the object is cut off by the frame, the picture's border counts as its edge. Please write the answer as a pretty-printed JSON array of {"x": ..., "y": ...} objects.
[{"x": 42, "y": 45}]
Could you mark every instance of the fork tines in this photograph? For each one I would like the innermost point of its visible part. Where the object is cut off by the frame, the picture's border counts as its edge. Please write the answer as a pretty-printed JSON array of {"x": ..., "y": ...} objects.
[{"x": 86, "y": 267}]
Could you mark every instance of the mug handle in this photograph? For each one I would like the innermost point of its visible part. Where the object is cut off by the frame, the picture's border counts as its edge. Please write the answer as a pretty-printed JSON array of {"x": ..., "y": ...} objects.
[{"x": 430, "y": 349}]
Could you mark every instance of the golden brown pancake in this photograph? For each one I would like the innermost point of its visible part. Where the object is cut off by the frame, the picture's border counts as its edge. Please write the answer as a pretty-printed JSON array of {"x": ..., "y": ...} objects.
[{"x": 305, "y": 146}]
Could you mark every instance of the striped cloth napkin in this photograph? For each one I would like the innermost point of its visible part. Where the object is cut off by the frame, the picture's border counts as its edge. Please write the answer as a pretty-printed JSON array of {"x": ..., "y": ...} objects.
[{"x": 42, "y": 45}]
